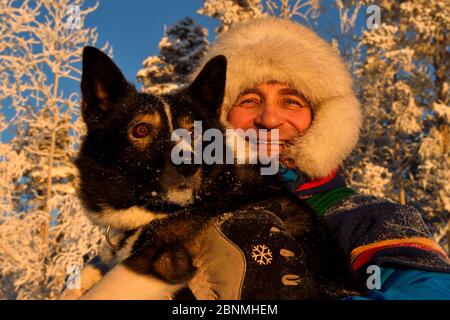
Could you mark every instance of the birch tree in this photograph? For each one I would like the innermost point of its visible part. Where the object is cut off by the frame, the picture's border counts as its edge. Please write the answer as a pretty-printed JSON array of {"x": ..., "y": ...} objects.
[{"x": 42, "y": 228}]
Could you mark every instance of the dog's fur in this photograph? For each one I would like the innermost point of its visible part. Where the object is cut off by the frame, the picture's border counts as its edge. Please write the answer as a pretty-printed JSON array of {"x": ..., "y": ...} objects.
[{"x": 131, "y": 185}]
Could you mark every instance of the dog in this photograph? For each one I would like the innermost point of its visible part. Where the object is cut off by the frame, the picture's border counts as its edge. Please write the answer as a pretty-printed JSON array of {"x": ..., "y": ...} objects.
[
  {"x": 128, "y": 182},
  {"x": 151, "y": 208}
]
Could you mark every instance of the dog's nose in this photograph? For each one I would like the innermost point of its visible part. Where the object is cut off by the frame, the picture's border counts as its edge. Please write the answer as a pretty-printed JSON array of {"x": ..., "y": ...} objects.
[{"x": 187, "y": 170}]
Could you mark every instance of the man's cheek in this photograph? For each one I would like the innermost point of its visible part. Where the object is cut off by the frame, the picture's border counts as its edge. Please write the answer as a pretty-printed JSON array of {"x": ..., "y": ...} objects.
[
  {"x": 301, "y": 122},
  {"x": 240, "y": 119}
]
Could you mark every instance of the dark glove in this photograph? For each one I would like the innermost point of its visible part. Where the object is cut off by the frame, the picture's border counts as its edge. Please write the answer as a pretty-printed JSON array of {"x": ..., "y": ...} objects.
[{"x": 247, "y": 254}]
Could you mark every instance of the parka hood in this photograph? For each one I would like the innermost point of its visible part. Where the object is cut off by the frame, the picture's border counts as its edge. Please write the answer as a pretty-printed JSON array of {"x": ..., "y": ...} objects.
[{"x": 271, "y": 49}]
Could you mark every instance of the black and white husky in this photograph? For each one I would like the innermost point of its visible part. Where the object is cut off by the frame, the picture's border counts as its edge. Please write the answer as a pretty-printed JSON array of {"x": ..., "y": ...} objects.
[{"x": 152, "y": 209}]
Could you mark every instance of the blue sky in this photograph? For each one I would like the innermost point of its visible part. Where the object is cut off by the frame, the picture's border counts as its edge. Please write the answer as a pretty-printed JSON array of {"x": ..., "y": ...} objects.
[{"x": 134, "y": 28}]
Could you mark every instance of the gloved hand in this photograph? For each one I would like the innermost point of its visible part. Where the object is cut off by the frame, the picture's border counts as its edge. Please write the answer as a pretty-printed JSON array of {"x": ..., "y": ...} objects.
[{"x": 247, "y": 254}]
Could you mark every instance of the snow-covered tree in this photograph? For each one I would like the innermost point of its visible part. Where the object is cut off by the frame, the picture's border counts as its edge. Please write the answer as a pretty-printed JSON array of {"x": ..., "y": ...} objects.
[
  {"x": 305, "y": 10},
  {"x": 432, "y": 176},
  {"x": 42, "y": 228},
  {"x": 340, "y": 23},
  {"x": 181, "y": 48},
  {"x": 229, "y": 12},
  {"x": 402, "y": 76}
]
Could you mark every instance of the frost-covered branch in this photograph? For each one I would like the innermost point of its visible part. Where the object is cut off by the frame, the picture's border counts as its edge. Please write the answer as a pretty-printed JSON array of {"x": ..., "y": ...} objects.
[{"x": 38, "y": 51}]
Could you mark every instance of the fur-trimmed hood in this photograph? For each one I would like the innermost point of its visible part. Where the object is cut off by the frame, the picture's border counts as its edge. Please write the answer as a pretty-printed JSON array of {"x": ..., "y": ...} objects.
[{"x": 268, "y": 48}]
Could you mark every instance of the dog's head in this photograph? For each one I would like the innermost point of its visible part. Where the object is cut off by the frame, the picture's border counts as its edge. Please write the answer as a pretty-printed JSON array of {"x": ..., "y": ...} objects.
[{"x": 127, "y": 176}]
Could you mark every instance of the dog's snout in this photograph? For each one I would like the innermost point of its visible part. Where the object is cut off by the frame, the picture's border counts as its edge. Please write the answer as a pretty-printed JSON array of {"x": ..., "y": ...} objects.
[
  {"x": 156, "y": 203},
  {"x": 180, "y": 183},
  {"x": 187, "y": 170}
]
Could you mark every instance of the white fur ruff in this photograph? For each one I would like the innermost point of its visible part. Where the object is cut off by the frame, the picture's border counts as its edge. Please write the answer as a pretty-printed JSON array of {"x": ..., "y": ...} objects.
[{"x": 127, "y": 219}]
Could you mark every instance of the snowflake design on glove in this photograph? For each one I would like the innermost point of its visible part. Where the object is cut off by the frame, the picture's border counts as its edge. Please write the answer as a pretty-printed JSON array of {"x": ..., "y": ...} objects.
[{"x": 262, "y": 254}]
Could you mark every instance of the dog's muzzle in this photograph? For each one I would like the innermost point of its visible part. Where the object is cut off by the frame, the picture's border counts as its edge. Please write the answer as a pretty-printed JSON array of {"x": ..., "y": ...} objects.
[{"x": 175, "y": 199}]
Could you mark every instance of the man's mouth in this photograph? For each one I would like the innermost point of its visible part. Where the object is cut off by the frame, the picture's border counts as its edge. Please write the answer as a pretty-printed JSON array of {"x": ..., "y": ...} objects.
[{"x": 271, "y": 147}]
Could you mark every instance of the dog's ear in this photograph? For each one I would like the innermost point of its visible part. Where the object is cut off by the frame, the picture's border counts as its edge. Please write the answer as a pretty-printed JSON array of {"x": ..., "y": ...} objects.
[
  {"x": 208, "y": 88},
  {"x": 102, "y": 85}
]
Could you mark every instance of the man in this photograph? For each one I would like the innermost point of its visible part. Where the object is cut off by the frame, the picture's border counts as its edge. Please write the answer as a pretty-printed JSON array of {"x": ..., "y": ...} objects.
[{"x": 282, "y": 76}]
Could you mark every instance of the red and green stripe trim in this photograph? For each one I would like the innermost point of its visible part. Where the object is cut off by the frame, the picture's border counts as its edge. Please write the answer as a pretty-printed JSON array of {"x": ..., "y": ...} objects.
[{"x": 321, "y": 202}]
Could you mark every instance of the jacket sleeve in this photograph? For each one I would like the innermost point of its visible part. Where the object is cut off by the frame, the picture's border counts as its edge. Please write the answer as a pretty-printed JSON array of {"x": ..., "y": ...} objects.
[
  {"x": 410, "y": 284},
  {"x": 379, "y": 232}
]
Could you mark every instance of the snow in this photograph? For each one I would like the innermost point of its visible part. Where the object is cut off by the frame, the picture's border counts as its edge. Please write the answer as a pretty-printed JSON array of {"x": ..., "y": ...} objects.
[
  {"x": 442, "y": 110},
  {"x": 231, "y": 11}
]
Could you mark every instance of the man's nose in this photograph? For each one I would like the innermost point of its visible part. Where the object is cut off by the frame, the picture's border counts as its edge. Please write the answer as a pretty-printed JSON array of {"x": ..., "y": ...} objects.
[{"x": 268, "y": 117}]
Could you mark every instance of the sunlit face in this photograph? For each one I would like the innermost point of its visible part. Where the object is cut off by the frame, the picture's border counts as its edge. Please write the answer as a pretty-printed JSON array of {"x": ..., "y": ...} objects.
[{"x": 272, "y": 105}]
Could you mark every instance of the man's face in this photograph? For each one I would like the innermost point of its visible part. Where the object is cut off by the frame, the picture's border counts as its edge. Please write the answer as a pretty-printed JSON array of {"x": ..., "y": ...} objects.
[{"x": 270, "y": 106}]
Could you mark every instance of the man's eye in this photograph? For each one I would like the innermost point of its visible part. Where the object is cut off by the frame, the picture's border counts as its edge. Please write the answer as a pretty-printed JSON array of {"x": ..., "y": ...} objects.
[
  {"x": 293, "y": 102},
  {"x": 249, "y": 102},
  {"x": 141, "y": 130}
]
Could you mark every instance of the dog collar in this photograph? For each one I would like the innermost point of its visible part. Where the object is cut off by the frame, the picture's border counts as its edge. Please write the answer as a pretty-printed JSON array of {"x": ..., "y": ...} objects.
[{"x": 110, "y": 244}]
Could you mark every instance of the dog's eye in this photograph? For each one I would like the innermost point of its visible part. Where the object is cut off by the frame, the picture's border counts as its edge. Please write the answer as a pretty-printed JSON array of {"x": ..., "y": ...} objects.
[{"x": 140, "y": 130}]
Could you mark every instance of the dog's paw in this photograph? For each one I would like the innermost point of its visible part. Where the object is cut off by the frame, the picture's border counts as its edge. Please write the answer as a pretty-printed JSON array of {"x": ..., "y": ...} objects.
[{"x": 174, "y": 265}]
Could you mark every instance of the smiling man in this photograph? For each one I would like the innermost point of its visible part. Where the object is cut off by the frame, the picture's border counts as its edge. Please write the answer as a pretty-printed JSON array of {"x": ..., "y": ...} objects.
[{"x": 283, "y": 76}]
